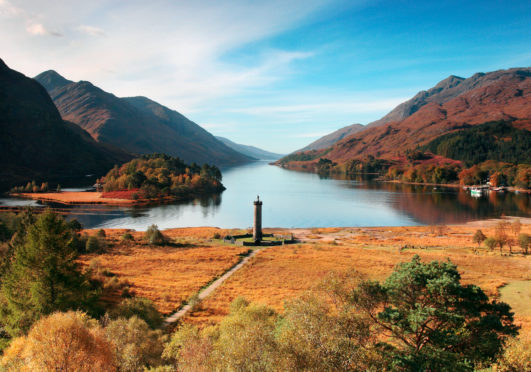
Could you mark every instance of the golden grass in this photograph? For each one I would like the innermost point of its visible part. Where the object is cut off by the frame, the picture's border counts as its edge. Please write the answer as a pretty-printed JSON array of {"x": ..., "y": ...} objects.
[
  {"x": 283, "y": 272},
  {"x": 167, "y": 275}
]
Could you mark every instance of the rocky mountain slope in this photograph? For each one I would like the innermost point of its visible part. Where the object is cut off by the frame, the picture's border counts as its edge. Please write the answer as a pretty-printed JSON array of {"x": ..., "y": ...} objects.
[
  {"x": 452, "y": 105},
  {"x": 330, "y": 139},
  {"x": 35, "y": 142},
  {"x": 136, "y": 124}
]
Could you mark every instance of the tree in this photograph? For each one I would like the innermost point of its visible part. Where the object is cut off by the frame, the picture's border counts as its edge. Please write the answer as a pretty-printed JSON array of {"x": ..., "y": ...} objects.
[
  {"x": 190, "y": 350},
  {"x": 61, "y": 342},
  {"x": 500, "y": 233},
  {"x": 435, "y": 322},
  {"x": 44, "y": 276},
  {"x": 490, "y": 243},
  {"x": 516, "y": 226},
  {"x": 252, "y": 349},
  {"x": 524, "y": 240},
  {"x": 479, "y": 237},
  {"x": 135, "y": 346}
]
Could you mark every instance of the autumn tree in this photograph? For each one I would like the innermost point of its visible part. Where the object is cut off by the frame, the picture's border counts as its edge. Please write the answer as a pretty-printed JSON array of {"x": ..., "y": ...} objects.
[
  {"x": 135, "y": 345},
  {"x": 479, "y": 237},
  {"x": 516, "y": 227},
  {"x": 524, "y": 240},
  {"x": 500, "y": 233},
  {"x": 44, "y": 276},
  {"x": 68, "y": 341},
  {"x": 435, "y": 323}
]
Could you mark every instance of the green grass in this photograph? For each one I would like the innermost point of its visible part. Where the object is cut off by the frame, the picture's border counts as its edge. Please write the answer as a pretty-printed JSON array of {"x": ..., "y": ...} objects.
[{"x": 518, "y": 295}]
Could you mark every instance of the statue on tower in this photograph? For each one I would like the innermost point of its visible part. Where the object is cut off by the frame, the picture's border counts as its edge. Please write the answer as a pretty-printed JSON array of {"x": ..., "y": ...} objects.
[{"x": 257, "y": 227}]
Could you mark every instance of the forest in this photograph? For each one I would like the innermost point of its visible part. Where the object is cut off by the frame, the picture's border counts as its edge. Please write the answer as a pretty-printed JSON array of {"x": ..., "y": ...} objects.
[
  {"x": 158, "y": 175},
  {"x": 498, "y": 140}
]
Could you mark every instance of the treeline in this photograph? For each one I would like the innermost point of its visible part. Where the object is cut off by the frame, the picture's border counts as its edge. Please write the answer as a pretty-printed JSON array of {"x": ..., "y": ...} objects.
[
  {"x": 497, "y": 140},
  {"x": 304, "y": 156},
  {"x": 32, "y": 187},
  {"x": 160, "y": 175}
]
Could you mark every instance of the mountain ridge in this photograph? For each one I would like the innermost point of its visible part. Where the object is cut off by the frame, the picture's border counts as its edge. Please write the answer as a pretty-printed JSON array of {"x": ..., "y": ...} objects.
[
  {"x": 36, "y": 143},
  {"x": 484, "y": 97},
  {"x": 251, "y": 151},
  {"x": 135, "y": 124}
]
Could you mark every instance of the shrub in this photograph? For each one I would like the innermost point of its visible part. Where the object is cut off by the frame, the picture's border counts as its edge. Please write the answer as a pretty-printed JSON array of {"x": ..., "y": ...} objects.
[
  {"x": 135, "y": 346},
  {"x": 490, "y": 243},
  {"x": 517, "y": 356},
  {"x": 154, "y": 236},
  {"x": 100, "y": 233},
  {"x": 524, "y": 240},
  {"x": 127, "y": 237},
  {"x": 92, "y": 245},
  {"x": 140, "y": 307}
]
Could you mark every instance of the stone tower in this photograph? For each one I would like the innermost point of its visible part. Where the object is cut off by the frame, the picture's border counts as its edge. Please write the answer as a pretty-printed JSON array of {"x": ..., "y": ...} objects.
[{"x": 257, "y": 227}]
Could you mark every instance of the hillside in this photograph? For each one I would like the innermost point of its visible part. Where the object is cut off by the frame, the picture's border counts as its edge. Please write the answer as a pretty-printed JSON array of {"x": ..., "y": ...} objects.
[
  {"x": 135, "y": 124},
  {"x": 35, "y": 143},
  {"x": 330, "y": 139},
  {"x": 498, "y": 141},
  {"x": 252, "y": 151},
  {"x": 500, "y": 95}
]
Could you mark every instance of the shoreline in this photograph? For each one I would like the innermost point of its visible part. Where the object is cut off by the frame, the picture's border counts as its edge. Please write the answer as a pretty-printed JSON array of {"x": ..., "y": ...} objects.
[{"x": 76, "y": 197}]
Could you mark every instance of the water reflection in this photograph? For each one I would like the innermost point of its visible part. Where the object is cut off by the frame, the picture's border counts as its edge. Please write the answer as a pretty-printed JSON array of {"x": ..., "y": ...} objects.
[{"x": 297, "y": 199}]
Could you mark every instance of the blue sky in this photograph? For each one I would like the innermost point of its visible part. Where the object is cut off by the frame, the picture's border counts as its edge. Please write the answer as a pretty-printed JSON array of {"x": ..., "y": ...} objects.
[{"x": 275, "y": 74}]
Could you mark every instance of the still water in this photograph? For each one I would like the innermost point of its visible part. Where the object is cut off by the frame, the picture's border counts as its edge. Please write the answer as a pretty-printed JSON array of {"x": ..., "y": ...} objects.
[{"x": 296, "y": 199}]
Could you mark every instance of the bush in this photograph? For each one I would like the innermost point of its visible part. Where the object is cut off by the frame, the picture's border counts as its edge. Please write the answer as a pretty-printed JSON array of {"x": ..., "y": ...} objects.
[
  {"x": 517, "y": 356},
  {"x": 524, "y": 240},
  {"x": 140, "y": 307},
  {"x": 490, "y": 243},
  {"x": 135, "y": 346},
  {"x": 154, "y": 236},
  {"x": 100, "y": 233},
  {"x": 92, "y": 245},
  {"x": 127, "y": 237}
]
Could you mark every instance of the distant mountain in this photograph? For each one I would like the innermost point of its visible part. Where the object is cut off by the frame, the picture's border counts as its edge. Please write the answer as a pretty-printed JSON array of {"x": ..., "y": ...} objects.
[
  {"x": 330, "y": 139},
  {"x": 135, "y": 124},
  {"x": 453, "y": 104},
  {"x": 35, "y": 142},
  {"x": 252, "y": 151}
]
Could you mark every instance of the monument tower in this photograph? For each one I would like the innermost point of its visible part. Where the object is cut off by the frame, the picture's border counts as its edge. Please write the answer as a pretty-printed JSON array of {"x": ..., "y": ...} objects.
[{"x": 257, "y": 227}]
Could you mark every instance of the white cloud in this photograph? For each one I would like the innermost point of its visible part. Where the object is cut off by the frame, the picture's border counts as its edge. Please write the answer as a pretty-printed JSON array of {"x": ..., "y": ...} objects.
[
  {"x": 91, "y": 30},
  {"x": 8, "y": 10},
  {"x": 36, "y": 29}
]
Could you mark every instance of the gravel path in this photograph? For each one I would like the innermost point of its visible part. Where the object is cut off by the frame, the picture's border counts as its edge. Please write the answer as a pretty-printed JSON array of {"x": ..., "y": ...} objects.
[{"x": 212, "y": 287}]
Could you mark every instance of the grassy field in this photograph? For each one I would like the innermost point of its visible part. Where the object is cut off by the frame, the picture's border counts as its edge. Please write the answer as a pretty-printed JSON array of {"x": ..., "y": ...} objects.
[
  {"x": 167, "y": 274},
  {"x": 170, "y": 274}
]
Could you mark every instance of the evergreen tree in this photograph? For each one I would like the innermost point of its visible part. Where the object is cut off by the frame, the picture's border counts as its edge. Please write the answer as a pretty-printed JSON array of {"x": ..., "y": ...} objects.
[{"x": 43, "y": 276}]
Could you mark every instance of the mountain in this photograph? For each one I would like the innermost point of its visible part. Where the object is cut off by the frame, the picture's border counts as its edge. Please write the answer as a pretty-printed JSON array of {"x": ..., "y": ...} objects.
[
  {"x": 330, "y": 139},
  {"x": 453, "y": 104},
  {"x": 35, "y": 142},
  {"x": 251, "y": 151},
  {"x": 135, "y": 124}
]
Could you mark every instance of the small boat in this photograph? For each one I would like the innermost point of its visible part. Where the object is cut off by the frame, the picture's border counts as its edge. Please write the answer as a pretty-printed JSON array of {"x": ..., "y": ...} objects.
[{"x": 476, "y": 192}]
